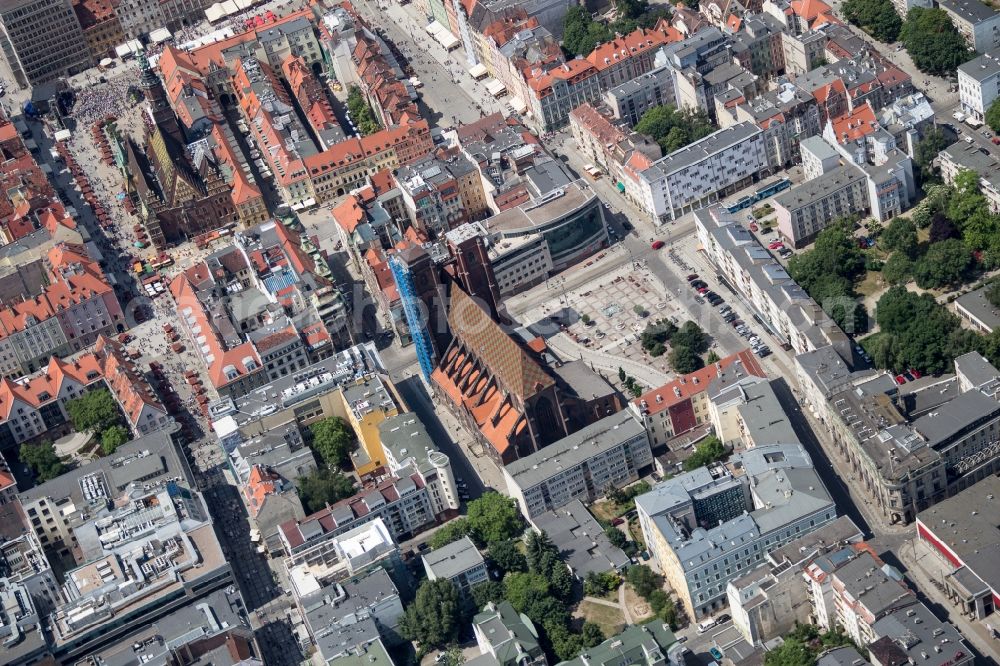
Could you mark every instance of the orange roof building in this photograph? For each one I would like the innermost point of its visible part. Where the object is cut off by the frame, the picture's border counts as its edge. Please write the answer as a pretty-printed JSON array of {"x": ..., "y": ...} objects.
[
  {"x": 498, "y": 388},
  {"x": 681, "y": 405},
  {"x": 107, "y": 366},
  {"x": 853, "y": 126}
]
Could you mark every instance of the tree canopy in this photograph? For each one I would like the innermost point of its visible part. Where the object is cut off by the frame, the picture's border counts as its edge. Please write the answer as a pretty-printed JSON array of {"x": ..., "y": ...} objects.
[
  {"x": 361, "y": 112},
  {"x": 804, "y": 644},
  {"x": 915, "y": 332},
  {"x": 710, "y": 450},
  {"x": 687, "y": 345},
  {"x": 42, "y": 459},
  {"x": 433, "y": 617},
  {"x": 333, "y": 440},
  {"x": 900, "y": 236},
  {"x": 828, "y": 271},
  {"x": 581, "y": 33},
  {"x": 494, "y": 517},
  {"x": 876, "y": 17},
  {"x": 112, "y": 438},
  {"x": 324, "y": 486},
  {"x": 94, "y": 411},
  {"x": 945, "y": 263},
  {"x": 933, "y": 43},
  {"x": 674, "y": 129},
  {"x": 932, "y": 143},
  {"x": 506, "y": 556},
  {"x": 993, "y": 115},
  {"x": 453, "y": 530}
]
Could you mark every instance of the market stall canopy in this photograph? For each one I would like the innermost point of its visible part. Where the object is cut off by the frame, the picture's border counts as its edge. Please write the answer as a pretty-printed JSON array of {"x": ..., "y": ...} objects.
[{"x": 160, "y": 35}]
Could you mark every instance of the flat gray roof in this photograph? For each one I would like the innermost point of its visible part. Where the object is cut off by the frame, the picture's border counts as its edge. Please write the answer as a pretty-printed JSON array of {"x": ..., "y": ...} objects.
[
  {"x": 573, "y": 450},
  {"x": 453, "y": 559},
  {"x": 703, "y": 148},
  {"x": 764, "y": 417},
  {"x": 817, "y": 189},
  {"x": 976, "y": 369},
  {"x": 842, "y": 656},
  {"x": 581, "y": 540},
  {"x": 151, "y": 458},
  {"x": 976, "y": 304},
  {"x": 972, "y": 11},
  {"x": 951, "y": 418},
  {"x": 967, "y": 524},
  {"x": 982, "y": 67}
]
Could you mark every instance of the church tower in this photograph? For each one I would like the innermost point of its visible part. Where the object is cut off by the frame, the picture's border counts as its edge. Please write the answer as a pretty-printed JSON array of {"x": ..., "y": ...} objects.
[{"x": 159, "y": 106}]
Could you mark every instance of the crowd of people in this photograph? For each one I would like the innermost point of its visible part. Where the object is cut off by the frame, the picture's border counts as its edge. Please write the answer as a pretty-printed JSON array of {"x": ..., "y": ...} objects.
[{"x": 100, "y": 99}]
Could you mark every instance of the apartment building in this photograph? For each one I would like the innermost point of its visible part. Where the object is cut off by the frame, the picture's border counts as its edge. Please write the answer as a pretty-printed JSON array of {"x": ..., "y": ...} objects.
[
  {"x": 102, "y": 31},
  {"x": 979, "y": 84},
  {"x": 851, "y": 589},
  {"x": 683, "y": 404},
  {"x": 976, "y": 21},
  {"x": 349, "y": 164},
  {"x": 312, "y": 99},
  {"x": 612, "y": 452},
  {"x": 961, "y": 156},
  {"x": 772, "y": 599},
  {"x": 553, "y": 93},
  {"x": 807, "y": 209},
  {"x": 407, "y": 445},
  {"x": 703, "y": 172},
  {"x": 352, "y": 555},
  {"x": 35, "y": 406},
  {"x": 626, "y": 58},
  {"x": 42, "y": 40},
  {"x": 608, "y": 142},
  {"x": 433, "y": 187},
  {"x": 630, "y": 100},
  {"x": 906, "y": 464},
  {"x": 787, "y": 311},
  {"x": 961, "y": 537},
  {"x": 402, "y": 503},
  {"x": 708, "y": 527},
  {"x": 460, "y": 562},
  {"x": 787, "y": 116}
]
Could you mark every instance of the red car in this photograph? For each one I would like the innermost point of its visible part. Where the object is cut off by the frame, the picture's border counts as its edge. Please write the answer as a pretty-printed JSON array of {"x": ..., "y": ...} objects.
[
  {"x": 776, "y": 245},
  {"x": 916, "y": 373},
  {"x": 702, "y": 290},
  {"x": 658, "y": 244},
  {"x": 753, "y": 226},
  {"x": 900, "y": 379}
]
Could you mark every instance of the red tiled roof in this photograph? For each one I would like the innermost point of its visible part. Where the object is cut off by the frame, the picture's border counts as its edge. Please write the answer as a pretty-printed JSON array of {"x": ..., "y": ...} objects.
[
  {"x": 693, "y": 383},
  {"x": 853, "y": 126}
]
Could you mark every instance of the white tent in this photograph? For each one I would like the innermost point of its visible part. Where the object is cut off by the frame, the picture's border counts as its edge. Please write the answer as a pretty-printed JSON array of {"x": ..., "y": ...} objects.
[
  {"x": 106, "y": 62},
  {"x": 518, "y": 104},
  {"x": 215, "y": 13},
  {"x": 434, "y": 27},
  {"x": 160, "y": 35},
  {"x": 495, "y": 88},
  {"x": 130, "y": 47},
  {"x": 62, "y": 135},
  {"x": 447, "y": 40},
  {"x": 479, "y": 71}
]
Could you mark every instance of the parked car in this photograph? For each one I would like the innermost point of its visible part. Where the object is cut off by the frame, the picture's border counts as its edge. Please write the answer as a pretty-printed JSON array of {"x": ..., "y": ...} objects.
[
  {"x": 692, "y": 277},
  {"x": 754, "y": 227},
  {"x": 916, "y": 373},
  {"x": 716, "y": 653},
  {"x": 658, "y": 244},
  {"x": 775, "y": 245},
  {"x": 900, "y": 379}
]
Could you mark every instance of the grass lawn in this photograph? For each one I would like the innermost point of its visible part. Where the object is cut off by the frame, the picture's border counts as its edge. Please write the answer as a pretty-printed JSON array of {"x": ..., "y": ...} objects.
[
  {"x": 637, "y": 606},
  {"x": 872, "y": 284},
  {"x": 635, "y": 531},
  {"x": 608, "y": 510},
  {"x": 610, "y": 620}
]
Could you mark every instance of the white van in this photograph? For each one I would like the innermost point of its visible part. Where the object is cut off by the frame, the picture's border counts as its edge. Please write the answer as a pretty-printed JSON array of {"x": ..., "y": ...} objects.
[{"x": 705, "y": 625}]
